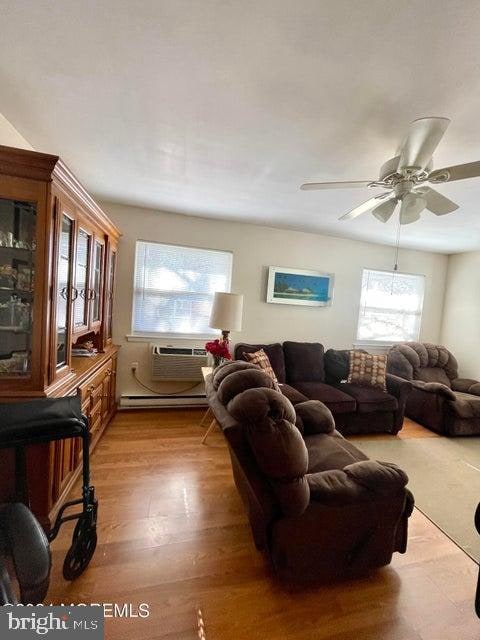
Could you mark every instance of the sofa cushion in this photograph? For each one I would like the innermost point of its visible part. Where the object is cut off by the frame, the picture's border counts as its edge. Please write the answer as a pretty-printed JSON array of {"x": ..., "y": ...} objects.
[
  {"x": 433, "y": 374},
  {"x": 337, "y": 365},
  {"x": 314, "y": 417},
  {"x": 304, "y": 362},
  {"x": 367, "y": 370},
  {"x": 369, "y": 399},
  {"x": 330, "y": 451},
  {"x": 239, "y": 381},
  {"x": 337, "y": 401},
  {"x": 411, "y": 357},
  {"x": 466, "y": 405},
  {"x": 292, "y": 394},
  {"x": 274, "y": 353},
  {"x": 227, "y": 368}
]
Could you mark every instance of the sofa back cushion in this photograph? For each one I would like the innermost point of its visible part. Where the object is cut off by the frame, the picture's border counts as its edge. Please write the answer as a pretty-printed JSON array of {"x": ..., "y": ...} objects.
[
  {"x": 273, "y": 351},
  {"x": 337, "y": 365},
  {"x": 239, "y": 381},
  {"x": 276, "y": 443},
  {"x": 304, "y": 362},
  {"x": 408, "y": 359},
  {"x": 433, "y": 374}
]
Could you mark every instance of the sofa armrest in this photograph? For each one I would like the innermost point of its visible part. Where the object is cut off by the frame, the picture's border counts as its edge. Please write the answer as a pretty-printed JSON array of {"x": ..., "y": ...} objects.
[
  {"x": 400, "y": 389},
  {"x": 359, "y": 481},
  {"x": 466, "y": 385},
  {"x": 314, "y": 417},
  {"x": 435, "y": 387}
]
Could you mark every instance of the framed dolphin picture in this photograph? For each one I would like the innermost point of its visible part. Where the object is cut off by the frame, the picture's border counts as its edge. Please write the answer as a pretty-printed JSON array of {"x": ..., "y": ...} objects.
[{"x": 299, "y": 286}]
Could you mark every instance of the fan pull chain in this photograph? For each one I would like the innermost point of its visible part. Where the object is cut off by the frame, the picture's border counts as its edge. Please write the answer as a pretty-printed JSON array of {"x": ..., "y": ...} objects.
[
  {"x": 397, "y": 245},
  {"x": 397, "y": 251}
]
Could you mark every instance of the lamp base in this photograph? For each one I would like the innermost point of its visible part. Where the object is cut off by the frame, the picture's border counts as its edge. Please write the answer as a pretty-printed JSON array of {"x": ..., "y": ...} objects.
[{"x": 225, "y": 335}]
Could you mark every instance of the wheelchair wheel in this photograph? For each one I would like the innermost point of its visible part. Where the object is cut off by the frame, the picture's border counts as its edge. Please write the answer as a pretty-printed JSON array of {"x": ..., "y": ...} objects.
[{"x": 83, "y": 547}]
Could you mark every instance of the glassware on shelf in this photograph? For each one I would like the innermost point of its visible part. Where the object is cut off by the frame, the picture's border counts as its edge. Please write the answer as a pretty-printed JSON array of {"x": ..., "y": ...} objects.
[{"x": 18, "y": 228}]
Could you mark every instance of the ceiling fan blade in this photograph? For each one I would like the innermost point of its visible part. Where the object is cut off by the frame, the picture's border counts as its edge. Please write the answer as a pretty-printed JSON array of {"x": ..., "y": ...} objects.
[
  {"x": 384, "y": 211},
  {"x": 457, "y": 172},
  {"x": 437, "y": 203},
  {"x": 366, "y": 206},
  {"x": 313, "y": 186},
  {"x": 422, "y": 140},
  {"x": 412, "y": 206}
]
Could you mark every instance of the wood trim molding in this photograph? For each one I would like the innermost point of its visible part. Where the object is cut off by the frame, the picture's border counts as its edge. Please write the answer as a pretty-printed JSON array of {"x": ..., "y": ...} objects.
[
  {"x": 65, "y": 178},
  {"x": 22, "y": 163}
]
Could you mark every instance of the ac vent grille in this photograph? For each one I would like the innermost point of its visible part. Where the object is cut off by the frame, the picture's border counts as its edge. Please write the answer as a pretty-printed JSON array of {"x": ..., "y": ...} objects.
[{"x": 177, "y": 363}]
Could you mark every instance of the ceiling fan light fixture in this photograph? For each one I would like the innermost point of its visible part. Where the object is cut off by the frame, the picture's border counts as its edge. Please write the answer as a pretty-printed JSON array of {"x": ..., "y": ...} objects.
[
  {"x": 412, "y": 206},
  {"x": 384, "y": 211}
]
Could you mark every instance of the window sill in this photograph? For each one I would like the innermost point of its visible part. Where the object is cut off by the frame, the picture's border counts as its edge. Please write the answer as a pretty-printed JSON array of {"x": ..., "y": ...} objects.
[
  {"x": 158, "y": 337},
  {"x": 373, "y": 343}
]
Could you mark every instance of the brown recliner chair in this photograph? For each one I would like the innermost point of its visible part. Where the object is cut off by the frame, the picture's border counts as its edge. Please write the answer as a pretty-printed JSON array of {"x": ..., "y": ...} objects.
[
  {"x": 317, "y": 506},
  {"x": 439, "y": 400}
]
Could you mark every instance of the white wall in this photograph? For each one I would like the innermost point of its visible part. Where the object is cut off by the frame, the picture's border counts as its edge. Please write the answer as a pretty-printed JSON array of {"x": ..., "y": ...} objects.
[
  {"x": 10, "y": 137},
  {"x": 254, "y": 249},
  {"x": 461, "y": 318}
]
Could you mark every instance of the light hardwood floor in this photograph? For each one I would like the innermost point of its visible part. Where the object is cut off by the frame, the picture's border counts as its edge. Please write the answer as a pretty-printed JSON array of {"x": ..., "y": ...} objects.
[{"x": 173, "y": 534}]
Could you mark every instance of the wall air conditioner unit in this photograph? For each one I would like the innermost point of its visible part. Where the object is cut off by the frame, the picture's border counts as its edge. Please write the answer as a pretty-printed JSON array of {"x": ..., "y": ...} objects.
[{"x": 177, "y": 363}]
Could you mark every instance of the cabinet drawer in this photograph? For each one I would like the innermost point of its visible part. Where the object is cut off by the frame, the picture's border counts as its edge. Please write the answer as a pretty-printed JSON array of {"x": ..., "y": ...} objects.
[
  {"x": 96, "y": 409},
  {"x": 95, "y": 415},
  {"x": 96, "y": 394},
  {"x": 86, "y": 407},
  {"x": 92, "y": 388}
]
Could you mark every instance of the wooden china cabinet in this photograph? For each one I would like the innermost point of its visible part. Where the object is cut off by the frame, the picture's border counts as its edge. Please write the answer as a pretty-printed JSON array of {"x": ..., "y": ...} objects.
[{"x": 57, "y": 269}]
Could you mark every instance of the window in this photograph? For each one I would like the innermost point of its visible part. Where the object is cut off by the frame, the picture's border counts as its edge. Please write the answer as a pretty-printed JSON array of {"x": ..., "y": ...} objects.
[
  {"x": 390, "y": 306},
  {"x": 174, "y": 287}
]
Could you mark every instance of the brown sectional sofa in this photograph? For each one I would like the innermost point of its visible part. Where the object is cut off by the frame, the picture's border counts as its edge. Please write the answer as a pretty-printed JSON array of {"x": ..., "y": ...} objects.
[
  {"x": 306, "y": 372},
  {"x": 439, "y": 399},
  {"x": 318, "y": 508}
]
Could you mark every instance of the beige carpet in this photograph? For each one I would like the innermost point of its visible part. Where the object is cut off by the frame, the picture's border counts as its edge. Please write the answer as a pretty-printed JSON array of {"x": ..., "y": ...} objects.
[{"x": 444, "y": 478}]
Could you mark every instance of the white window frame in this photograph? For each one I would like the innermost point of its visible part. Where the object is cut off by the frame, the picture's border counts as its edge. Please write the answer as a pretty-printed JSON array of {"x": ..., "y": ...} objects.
[
  {"x": 381, "y": 342},
  {"x": 138, "y": 336}
]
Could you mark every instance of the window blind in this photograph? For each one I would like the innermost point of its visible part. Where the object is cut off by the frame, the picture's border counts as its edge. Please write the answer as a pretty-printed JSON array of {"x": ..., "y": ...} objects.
[
  {"x": 390, "y": 306},
  {"x": 174, "y": 287}
]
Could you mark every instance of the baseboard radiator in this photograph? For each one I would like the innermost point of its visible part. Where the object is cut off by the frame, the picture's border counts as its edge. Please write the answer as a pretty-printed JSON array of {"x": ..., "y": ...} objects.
[{"x": 156, "y": 402}]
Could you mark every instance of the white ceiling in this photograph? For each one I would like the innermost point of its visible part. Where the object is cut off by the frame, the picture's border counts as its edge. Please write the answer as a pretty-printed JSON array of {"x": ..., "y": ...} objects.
[{"x": 223, "y": 108}]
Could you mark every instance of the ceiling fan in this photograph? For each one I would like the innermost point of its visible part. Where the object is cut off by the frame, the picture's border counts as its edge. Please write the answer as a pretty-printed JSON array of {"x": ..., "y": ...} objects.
[{"x": 405, "y": 177}]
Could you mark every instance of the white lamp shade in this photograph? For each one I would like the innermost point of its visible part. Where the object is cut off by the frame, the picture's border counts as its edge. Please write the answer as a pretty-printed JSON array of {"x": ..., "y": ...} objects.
[{"x": 227, "y": 311}]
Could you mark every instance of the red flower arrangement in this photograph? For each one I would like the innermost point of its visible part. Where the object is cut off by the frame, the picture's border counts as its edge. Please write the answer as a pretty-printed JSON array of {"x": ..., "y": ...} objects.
[{"x": 218, "y": 349}]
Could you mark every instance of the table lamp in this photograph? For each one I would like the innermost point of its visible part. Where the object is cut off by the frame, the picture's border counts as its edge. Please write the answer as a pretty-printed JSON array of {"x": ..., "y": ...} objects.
[{"x": 226, "y": 313}]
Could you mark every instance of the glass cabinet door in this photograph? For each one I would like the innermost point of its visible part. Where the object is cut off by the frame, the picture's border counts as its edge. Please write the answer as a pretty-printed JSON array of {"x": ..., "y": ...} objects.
[
  {"x": 18, "y": 222},
  {"x": 64, "y": 276},
  {"x": 96, "y": 286},
  {"x": 109, "y": 296},
  {"x": 80, "y": 288}
]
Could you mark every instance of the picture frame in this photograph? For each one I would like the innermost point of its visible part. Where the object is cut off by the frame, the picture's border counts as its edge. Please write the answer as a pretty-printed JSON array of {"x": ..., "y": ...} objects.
[{"x": 304, "y": 287}]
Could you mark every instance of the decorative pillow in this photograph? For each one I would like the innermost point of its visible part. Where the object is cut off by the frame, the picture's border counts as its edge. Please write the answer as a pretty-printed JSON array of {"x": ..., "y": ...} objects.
[
  {"x": 260, "y": 358},
  {"x": 368, "y": 370}
]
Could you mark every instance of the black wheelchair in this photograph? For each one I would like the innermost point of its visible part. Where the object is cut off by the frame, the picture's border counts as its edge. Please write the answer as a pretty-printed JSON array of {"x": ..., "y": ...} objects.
[{"x": 22, "y": 539}]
